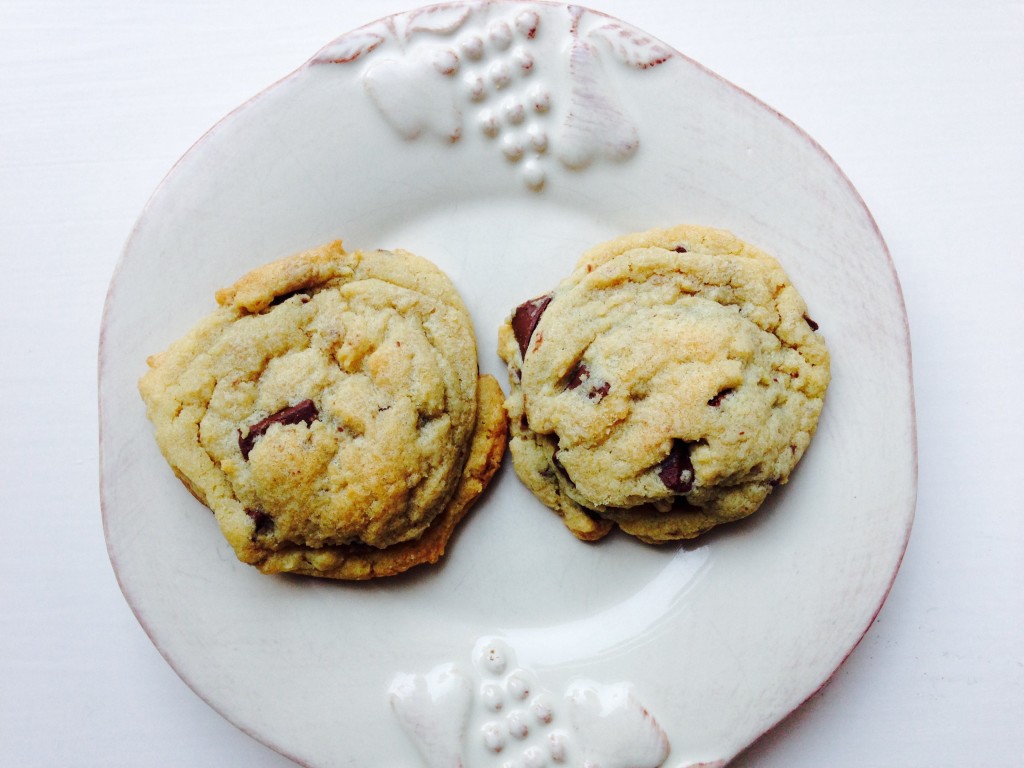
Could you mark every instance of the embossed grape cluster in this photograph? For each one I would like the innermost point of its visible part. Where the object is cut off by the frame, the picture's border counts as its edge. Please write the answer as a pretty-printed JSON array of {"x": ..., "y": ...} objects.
[
  {"x": 519, "y": 717},
  {"x": 496, "y": 72}
]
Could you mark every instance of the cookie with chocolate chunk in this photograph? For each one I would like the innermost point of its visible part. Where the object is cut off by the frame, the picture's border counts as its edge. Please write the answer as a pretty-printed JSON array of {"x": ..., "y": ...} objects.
[
  {"x": 331, "y": 414},
  {"x": 665, "y": 387}
]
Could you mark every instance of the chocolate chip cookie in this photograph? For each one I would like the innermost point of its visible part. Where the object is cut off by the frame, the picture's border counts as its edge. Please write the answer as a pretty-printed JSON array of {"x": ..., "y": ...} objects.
[
  {"x": 330, "y": 413},
  {"x": 665, "y": 387}
]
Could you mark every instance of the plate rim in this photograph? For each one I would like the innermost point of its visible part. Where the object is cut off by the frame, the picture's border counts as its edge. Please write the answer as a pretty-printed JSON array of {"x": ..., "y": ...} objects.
[{"x": 908, "y": 514}]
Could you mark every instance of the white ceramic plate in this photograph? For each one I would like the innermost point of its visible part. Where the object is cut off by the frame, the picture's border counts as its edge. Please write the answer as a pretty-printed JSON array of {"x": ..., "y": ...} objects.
[{"x": 499, "y": 140}]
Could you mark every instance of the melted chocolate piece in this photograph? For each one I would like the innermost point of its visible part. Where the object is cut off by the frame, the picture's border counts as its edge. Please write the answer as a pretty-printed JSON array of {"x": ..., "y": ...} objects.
[
  {"x": 814, "y": 325},
  {"x": 525, "y": 319},
  {"x": 300, "y": 412},
  {"x": 676, "y": 471},
  {"x": 679, "y": 249}
]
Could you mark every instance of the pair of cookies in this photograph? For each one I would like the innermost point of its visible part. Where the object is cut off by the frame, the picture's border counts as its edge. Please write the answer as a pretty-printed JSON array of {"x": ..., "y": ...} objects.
[{"x": 331, "y": 413}]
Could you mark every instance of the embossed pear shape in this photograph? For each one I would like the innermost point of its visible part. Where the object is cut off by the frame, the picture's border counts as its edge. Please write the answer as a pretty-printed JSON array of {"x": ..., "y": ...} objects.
[
  {"x": 595, "y": 126},
  {"x": 433, "y": 710}
]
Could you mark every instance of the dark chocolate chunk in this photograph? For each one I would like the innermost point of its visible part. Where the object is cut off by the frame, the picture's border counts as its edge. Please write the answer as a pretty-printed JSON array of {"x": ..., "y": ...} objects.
[
  {"x": 717, "y": 399},
  {"x": 676, "y": 471},
  {"x": 525, "y": 319},
  {"x": 598, "y": 392},
  {"x": 300, "y": 412},
  {"x": 814, "y": 325},
  {"x": 679, "y": 249},
  {"x": 580, "y": 374}
]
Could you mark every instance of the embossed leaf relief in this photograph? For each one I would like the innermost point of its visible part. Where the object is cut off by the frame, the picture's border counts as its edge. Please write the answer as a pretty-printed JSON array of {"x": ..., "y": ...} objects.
[
  {"x": 442, "y": 19},
  {"x": 633, "y": 47},
  {"x": 501, "y": 716},
  {"x": 466, "y": 71},
  {"x": 350, "y": 47}
]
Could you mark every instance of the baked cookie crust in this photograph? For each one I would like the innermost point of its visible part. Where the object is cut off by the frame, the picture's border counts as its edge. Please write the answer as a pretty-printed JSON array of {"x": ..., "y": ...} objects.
[{"x": 665, "y": 387}]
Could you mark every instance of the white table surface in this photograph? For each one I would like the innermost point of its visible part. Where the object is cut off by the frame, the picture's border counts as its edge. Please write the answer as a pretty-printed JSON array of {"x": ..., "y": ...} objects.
[{"x": 921, "y": 103}]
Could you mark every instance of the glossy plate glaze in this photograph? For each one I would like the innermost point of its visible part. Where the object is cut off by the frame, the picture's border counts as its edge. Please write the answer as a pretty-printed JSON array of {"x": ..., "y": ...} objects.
[{"x": 500, "y": 139}]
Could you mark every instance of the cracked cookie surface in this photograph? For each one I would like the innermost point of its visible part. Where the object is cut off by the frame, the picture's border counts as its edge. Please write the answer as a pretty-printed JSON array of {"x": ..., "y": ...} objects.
[
  {"x": 666, "y": 386},
  {"x": 330, "y": 413}
]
